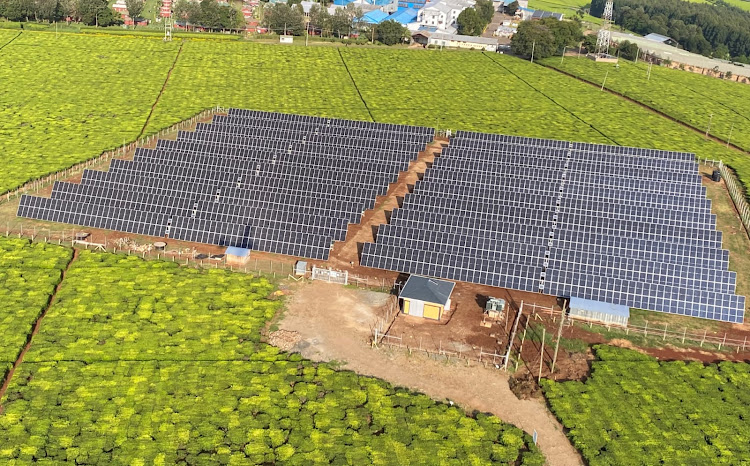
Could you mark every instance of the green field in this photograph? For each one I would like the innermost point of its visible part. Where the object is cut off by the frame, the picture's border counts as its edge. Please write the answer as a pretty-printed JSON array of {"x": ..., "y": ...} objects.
[
  {"x": 96, "y": 91},
  {"x": 28, "y": 276},
  {"x": 635, "y": 409},
  {"x": 687, "y": 97},
  {"x": 73, "y": 98},
  {"x": 567, "y": 7},
  {"x": 684, "y": 96},
  {"x": 147, "y": 362},
  {"x": 743, "y": 4}
]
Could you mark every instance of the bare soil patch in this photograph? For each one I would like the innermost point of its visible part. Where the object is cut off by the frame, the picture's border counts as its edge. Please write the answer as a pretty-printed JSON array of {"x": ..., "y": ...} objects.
[{"x": 335, "y": 324}]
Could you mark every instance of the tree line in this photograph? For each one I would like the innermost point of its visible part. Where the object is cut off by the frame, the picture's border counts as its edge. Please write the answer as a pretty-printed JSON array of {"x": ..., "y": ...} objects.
[
  {"x": 713, "y": 29},
  {"x": 90, "y": 12},
  {"x": 207, "y": 13},
  {"x": 349, "y": 21},
  {"x": 545, "y": 37}
]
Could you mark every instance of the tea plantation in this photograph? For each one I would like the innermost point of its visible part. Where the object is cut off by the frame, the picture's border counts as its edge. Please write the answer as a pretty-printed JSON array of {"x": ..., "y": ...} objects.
[
  {"x": 75, "y": 96},
  {"x": 28, "y": 276},
  {"x": 634, "y": 408},
  {"x": 688, "y": 97},
  {"x": 147, "y": 362}
]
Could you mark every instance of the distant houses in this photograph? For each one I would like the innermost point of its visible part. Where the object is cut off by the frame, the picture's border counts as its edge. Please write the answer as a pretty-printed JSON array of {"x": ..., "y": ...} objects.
[{"x": 442, "y": 14}]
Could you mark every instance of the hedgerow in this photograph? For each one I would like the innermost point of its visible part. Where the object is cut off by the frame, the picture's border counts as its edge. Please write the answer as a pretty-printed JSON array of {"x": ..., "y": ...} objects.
[
  {"x": 146, "y": 362},
  {"x": 635, "y": 408},
  {"x": 29, "y": 273}
]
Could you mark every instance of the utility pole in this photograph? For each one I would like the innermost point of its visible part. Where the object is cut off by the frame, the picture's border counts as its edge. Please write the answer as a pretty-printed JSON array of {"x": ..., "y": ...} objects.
[
  {"x": 533, "y": 45},
  {"x": 562, "y": 56},
  {"x": 541, "y": 354},
  {"x": 605, "y": 80},
  {"x": 637, "y": 51},
  {"x": 708, "y": 128},
  {"x": 730, "y": 134},
  {"x": 513, "y": 336},
  {"x": 559, "y": 335},
  {"x": 648, "y": 73}
]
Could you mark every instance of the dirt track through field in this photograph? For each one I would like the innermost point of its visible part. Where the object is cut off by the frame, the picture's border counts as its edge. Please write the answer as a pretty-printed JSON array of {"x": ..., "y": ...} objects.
[
  {"x": 161, "y": 92},
  {"x": 35, "y": 330},
  {"x": 10, "y": 41},
  {"x": 334, "y": 324},
  {"x": 550, "y": 99}
]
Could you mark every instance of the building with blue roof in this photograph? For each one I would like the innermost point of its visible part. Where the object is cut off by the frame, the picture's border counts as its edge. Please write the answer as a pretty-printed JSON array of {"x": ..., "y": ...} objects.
[
  {"x": 405, "y": 17},
  {"x": 375, "y": 17}
]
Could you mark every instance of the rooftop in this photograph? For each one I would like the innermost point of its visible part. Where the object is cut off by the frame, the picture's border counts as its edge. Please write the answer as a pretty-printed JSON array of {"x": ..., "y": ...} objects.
[
  {"x": 462, "y": 38},
  {"x": 431, "y": 290}
]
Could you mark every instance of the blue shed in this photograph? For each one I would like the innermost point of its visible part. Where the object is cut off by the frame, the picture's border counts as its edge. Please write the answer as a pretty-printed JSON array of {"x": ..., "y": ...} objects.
[{"x": 598, "y": 311}]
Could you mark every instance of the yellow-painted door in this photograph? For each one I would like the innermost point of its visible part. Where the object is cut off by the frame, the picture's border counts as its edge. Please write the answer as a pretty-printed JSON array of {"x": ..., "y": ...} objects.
[
  {"x": 431, "y": 311},
  {"x": 406, "y": 306}
]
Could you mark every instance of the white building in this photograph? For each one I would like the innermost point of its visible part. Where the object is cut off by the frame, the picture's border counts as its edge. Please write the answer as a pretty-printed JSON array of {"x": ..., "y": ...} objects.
[
  {"x": 442, "y": 14},
  {"x": 438, "y": 39}
]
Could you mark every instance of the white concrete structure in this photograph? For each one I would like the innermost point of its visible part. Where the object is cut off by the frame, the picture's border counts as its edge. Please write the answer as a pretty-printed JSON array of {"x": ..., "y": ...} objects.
[
  {"x": 442, "y": 13},
  {"x": 463, "y": 42}
]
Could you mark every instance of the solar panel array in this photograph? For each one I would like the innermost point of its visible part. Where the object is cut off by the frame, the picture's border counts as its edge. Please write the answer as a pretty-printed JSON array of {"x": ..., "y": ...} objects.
[
  {"x": 272, "y": 182},
  {"x": 615, "y": 224}
]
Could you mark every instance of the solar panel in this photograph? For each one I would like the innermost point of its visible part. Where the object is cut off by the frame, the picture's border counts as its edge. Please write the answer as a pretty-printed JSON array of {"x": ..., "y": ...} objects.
[
  {"x": 286, "y": 184},
  {"x": 616, "y": 224}
]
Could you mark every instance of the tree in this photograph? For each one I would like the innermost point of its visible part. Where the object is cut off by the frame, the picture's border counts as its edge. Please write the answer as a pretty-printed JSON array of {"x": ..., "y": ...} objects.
[
  {"x": 187, "y": 11},
  {"x": 283, "y": 19},
  {"x": 97, "y": 13},
  {"x": 135, "y": 8},
  {"x": 17, "y": 10},
  {"x": 319, "y": 18},
  {"x": 533, "y": 36},
  {"x": 391, "y": 32},
  {"x": 589, "y": 43},
  {"x": 486, "y": 10},
  {"x": 512, "y": 8},
  {"x": 628, "y": 50},
  {"x": 722, "y": 51},
  {"x": 567, "y": 33},
  {"x": 340, "y": 23},
  {"x": 469, "y": 23}
]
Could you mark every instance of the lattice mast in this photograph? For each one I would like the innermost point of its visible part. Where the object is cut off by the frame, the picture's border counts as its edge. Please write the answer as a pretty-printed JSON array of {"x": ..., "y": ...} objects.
[
  {"x": 168, "y": 24},
  {"x": 605, "y": 33}
]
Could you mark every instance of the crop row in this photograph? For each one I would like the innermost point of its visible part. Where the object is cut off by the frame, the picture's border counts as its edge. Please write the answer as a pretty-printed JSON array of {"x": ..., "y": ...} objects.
[
  {"x": 688, "y": 97},
  {"x": 28, "y": 276},
  {"x": 116, "y": 307},
  {"x": 147, "y": 362},
  {"x": 72, "y": 97},
  {"x": 634, "y": 406},
  {"x": 308, "y": 81},
  {"x": 95, "y": 92}
]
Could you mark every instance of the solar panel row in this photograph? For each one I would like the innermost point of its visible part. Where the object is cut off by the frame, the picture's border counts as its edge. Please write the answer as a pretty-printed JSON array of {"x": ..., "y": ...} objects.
[
  {"x": 616, "y": 224},
  {"x": 279, "y": 183}
]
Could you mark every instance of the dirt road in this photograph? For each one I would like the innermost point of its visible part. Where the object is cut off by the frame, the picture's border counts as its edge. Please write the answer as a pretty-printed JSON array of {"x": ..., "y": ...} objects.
[{"x": 334, "y": 324}]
